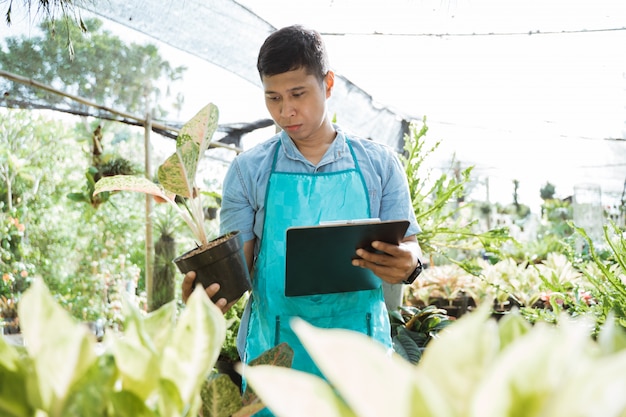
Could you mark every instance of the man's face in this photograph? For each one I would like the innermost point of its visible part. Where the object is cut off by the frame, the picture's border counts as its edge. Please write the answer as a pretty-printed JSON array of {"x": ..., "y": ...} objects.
[{"x": 297, "y": 102}]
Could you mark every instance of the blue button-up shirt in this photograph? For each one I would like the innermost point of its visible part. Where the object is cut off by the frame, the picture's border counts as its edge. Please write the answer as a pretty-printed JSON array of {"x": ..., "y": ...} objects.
[{"x": 245, "y": 184}]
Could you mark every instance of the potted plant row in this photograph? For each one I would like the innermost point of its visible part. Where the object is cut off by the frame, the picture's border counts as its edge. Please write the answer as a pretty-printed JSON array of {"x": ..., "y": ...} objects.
[{"x": 218, "y": 260}]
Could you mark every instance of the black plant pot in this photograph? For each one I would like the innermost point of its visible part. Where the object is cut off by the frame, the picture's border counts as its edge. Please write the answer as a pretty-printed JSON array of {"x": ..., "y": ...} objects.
[{"x": 222, "y": 261}]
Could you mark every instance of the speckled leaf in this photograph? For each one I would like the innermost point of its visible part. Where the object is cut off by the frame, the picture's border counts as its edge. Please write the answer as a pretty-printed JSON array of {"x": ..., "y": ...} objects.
[
  {"x": 130, "y": 183},
  {"x": 220, "y": 397},
  {"x": 249, "y": 410},
  {"x": 202, "y": 126},
  {"x": 279, "y": 355},
  {"x": 177, "y": 173}
]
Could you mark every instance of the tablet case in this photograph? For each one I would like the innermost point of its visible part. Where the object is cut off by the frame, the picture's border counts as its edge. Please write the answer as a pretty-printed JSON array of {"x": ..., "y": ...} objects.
[{"x": 319, "y": 258}]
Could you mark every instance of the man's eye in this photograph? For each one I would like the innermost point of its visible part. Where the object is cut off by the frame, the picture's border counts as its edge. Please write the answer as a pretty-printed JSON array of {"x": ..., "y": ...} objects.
[{"x": 272, "y": 98}]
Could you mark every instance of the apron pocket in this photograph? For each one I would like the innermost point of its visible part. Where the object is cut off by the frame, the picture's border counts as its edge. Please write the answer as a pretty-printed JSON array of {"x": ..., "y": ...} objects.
[{"x": 360, "y": 322}]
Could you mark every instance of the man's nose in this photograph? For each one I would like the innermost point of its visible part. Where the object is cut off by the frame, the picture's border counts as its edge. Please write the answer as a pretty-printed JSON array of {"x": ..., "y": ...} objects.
[{"x": 288, "y": 109}]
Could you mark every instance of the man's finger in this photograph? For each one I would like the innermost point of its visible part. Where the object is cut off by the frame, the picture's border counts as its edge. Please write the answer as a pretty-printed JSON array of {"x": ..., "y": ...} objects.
[{"x": 187, "y": 285}]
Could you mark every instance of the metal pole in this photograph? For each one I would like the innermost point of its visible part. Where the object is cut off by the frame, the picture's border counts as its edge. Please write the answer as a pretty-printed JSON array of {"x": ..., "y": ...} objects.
[{"x": 149, "y": 277}]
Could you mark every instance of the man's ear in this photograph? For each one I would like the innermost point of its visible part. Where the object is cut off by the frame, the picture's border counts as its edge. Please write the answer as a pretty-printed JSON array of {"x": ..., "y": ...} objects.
[{"x": 329, "y": 82}]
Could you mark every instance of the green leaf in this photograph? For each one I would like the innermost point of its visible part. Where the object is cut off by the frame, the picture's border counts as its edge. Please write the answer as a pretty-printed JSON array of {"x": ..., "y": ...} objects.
[
  {"x": 13, "y": 390},
  {"x": 170, "y": 403},
  {"x": 52, "y": 338},
  {"x": 127, "y": 404},
  {"x": 408, "y": 347},
  {"x": 136, "y": 356},
  {"x": 593, "y": 389},
  {"x": 444, "y": 358},
  {"x": 159, "y": 325},
  {"x": 9, "y": 357},
  {"x": 612, "y": 337},
  {"x": 90, "y": 394},
  {"x": 338, "y": 353},
  {"x": 78, "y": 197},
  {"x": 308, "y": 395},
  {"x": 511, "y": 327},
  {"x": 194, "y": 346},
  {"x": 527, "y": 374}
]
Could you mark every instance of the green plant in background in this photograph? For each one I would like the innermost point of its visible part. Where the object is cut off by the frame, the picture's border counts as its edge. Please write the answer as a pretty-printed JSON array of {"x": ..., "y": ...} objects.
[
  {"x": 608, "y": 276},
  {"x": 475, "y": 368},
  {"x": 15, "y": 270},
  {"x": 101, "y": 165},
  {"x": 233, "y": 320},
  {"x": 413, "y": 328},
  {"x": 49, "y": 229},
  {"x": 101, "y": 68},
  {"x": 164, "y": 289},
  {"x": 445, "y": 232},
  {"x": 156, "y": 369},
  {"x": 442, "y": 285}
]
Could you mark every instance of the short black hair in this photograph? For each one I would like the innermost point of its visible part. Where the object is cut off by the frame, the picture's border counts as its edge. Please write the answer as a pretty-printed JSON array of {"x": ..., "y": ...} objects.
[{"x": 292, "y": 48}]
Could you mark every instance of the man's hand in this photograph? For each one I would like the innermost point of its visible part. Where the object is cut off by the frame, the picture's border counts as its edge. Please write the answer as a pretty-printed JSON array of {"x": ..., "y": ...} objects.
[
  {"x": 394, "y": 264},
  {"x": 211, "y": 290}
]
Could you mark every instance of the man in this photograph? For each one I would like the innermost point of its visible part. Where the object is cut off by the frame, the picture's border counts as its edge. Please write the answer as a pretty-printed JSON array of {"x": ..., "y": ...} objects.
[{"x": 310, "y": 172}]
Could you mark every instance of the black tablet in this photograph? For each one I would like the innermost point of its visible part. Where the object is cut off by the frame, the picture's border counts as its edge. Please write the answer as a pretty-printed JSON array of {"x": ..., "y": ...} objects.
[{"x": 319, "y": 258}]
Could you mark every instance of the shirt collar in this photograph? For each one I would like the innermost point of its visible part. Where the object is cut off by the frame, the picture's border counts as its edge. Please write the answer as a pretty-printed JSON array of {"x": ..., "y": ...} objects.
[{"x": 337, "y": 150}]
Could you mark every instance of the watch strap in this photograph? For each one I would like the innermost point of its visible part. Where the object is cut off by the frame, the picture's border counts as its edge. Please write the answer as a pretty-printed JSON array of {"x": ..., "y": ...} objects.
[{"x": 418, "y": 270}]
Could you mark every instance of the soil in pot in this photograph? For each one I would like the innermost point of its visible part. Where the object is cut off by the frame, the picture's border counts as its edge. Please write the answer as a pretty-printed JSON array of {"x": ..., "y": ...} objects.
[{"x": 222, "y": 261}]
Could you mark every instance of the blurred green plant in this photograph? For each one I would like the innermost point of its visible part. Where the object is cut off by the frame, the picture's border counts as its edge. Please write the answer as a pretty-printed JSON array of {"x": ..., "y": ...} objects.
[
  {"x": 156, "y": 368},
  {"x": 99, "y": 67},
  {"x": 608, "y": 275},
  {"x": 445, "y": 231},
  {"x": 477, "y": 367}
]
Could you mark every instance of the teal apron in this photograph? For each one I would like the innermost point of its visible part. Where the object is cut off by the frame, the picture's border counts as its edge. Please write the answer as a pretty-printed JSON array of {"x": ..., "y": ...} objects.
[{"x": 298, "y": 200}]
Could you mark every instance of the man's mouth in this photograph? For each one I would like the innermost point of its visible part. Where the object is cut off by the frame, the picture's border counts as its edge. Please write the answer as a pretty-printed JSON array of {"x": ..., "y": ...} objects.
[{"x": 292, "y": 128}]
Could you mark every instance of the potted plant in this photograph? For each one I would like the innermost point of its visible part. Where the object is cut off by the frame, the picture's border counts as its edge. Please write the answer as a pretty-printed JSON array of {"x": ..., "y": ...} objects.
[{"x": 219, "y": 260}]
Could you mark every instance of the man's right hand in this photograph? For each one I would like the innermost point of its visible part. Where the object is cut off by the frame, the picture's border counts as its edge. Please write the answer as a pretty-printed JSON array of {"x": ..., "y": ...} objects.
[{"x": 211, "y": 290}]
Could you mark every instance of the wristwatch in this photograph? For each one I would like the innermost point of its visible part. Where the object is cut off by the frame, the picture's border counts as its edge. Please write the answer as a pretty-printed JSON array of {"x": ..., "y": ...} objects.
[{"x": 418, "y": 270}]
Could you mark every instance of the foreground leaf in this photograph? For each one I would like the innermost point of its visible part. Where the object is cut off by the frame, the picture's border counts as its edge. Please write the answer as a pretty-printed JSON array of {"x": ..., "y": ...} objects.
[
  {"x": 308, "y": 395},
  {"x": 460, "y": 356},
  {"x": 61, "y": 353},
  {"x": 194, "y": 347},
  {"x": 360, "y": 369}
]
